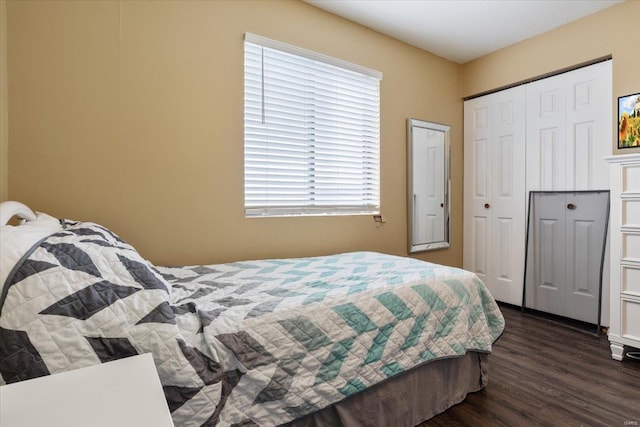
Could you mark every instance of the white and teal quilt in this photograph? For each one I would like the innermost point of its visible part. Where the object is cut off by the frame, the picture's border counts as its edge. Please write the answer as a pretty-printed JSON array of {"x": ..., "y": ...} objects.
[{"x": 238, "y": 344}]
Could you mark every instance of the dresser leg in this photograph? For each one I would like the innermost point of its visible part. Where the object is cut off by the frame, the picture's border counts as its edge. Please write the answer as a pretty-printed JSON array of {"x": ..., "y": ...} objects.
[{"x": 617, "y": 351}]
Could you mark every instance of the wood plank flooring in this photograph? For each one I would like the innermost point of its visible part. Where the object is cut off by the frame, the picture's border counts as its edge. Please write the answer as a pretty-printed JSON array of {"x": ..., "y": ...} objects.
[{"x": 545, "y": 374}]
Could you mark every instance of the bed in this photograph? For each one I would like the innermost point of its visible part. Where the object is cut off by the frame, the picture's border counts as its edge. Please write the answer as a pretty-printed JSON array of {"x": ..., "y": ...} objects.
[{"x": 358, "y": 338}]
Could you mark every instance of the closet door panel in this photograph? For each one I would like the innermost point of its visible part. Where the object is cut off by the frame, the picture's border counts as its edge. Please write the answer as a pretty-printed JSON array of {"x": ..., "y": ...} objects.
[
  {"x": 478, "y": 120},
  {"x": 481, "y": 167},
  {"x": 508, "y": 195},
  {"x": 585, "y": 228},
  {"x": 494, "y": 225},
  {"x": 507, "y": 283},
  {"x": 568, "y": 130},
  {"x": 580, "y": 149},
  {"x": 588, "y": 127},
  {"x": 478, "y": 262},
  {"x": 546, "y": 259},
  {"x": 546, "y": 123}
]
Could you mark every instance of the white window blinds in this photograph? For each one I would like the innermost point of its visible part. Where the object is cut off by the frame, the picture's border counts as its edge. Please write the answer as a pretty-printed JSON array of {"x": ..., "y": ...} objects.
[{"x": 311, "y": 132}]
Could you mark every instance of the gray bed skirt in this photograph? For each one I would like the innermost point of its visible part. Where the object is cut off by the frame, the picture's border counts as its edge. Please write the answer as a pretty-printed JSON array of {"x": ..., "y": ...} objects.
[{"x": 408, "y": 399}]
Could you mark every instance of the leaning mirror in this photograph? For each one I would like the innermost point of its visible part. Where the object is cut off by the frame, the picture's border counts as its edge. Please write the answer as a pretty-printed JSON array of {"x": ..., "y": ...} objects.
[{"x": 428, "y": 185}]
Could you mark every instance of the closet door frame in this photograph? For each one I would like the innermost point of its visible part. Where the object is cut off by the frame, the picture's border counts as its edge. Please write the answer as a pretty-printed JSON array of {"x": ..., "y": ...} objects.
[{"x": 576, "y": 88}]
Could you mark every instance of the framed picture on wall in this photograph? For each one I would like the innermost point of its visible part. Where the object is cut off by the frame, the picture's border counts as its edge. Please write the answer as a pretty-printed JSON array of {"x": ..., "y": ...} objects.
[{"x": 629, "y": 121}]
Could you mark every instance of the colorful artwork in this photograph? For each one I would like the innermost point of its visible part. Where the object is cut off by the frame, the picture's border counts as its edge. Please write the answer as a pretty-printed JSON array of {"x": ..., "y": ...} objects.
[{"x": 629, "y": 121}]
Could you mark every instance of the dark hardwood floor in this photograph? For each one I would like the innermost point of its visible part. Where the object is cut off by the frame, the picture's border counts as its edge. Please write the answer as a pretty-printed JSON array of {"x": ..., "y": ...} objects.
[{"x": 545, "y": 374}]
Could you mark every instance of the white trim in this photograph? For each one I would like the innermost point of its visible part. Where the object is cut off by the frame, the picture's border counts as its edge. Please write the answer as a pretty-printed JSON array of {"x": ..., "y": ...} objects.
[
  {"x": 266, "y": 211},
  {"x": 285, "y": 47},
  {"x": 622, "y": 158}
]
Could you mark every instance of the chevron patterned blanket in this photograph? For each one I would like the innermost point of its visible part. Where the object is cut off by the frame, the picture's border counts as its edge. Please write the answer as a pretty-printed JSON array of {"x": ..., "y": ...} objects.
[{"x": 245, "y": 343}]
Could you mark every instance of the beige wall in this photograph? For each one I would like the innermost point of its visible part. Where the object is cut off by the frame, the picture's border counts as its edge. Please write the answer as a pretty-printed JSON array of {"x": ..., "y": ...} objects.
[
  {"x": 4, "y": 131},
  {"x": 610, "y": 32},
  {"x": 130, "y": 114}
]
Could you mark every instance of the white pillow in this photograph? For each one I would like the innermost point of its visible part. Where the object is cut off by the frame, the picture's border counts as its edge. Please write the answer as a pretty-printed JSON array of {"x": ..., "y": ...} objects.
[{"x": 15, "y": 241}]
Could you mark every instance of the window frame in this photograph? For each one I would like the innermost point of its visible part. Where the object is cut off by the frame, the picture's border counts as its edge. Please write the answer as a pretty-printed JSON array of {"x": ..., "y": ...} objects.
[{"x": 369, "y": 164}]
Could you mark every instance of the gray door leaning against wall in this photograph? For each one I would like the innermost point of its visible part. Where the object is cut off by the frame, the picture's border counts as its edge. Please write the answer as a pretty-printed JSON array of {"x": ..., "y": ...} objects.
[{"x": 565, "y": 253}]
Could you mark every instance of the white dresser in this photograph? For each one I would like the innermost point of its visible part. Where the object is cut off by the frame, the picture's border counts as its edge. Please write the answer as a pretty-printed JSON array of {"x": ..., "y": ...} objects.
[{"x": 625, "y": 253}]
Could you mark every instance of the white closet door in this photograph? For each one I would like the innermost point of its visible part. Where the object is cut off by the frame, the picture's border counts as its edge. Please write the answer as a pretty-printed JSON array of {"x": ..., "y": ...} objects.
[
  {"x": 507, "y": 204},
  {"x": 569, "y": 130},
  {"x": 478, "y": 123},
  {"x": 494, "y": 224}
]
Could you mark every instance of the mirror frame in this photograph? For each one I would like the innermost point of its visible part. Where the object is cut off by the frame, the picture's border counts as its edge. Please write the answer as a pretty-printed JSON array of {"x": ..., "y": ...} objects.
[{"x": 445, "y": 129}]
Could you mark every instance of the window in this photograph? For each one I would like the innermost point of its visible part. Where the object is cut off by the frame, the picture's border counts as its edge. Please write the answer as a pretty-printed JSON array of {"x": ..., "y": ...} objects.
[{"x": 311, "y": 133}]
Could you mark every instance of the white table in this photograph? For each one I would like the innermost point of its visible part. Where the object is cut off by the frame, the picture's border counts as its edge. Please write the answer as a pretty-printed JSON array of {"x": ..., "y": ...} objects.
[{"x": 123, "y": 393}]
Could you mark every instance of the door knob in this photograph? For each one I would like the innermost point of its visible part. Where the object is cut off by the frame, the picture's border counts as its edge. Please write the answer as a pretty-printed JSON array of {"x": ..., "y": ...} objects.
[
  {"x": 442, "y": 205},
  {"x": 487, "y": 205},
  {"x": 571, "y": 206}
]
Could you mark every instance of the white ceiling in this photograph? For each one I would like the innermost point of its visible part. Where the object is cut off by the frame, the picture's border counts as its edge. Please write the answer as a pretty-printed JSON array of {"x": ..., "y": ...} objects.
[{"x": 462, "y": 30}]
